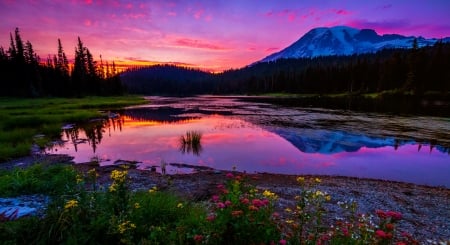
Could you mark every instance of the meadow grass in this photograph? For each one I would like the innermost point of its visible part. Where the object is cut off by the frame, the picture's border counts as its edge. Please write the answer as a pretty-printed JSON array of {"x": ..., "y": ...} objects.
[
  {"x": 238, "y": 213},
  {"x": 24, "y": 118}
]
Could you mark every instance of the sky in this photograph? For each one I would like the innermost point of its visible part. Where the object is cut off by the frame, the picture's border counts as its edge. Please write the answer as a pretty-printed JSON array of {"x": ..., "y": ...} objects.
[{"x": 212, "y": 35}]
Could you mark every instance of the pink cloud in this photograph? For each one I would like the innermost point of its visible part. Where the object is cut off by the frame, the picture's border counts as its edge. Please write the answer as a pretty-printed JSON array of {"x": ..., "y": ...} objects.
[
  {"x": 341, "y": 12},
  {"x": 270, "y": 50},
  {"x": 195, "y": 43}
]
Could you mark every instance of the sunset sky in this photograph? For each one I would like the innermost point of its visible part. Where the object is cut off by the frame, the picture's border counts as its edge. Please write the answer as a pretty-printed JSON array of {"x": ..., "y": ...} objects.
[{"x": 212, "y": 35}]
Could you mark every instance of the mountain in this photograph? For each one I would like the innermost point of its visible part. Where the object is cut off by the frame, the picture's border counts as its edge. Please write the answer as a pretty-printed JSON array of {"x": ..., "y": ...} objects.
[{"x": 343, "y": 40}]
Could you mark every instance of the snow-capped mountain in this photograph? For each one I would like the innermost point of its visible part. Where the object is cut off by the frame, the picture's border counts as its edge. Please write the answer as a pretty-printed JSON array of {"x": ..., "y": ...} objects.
[{"x": 343, "y": 40}]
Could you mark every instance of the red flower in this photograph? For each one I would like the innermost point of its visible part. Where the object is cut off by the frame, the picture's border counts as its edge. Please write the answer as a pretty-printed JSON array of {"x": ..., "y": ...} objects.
[
  {"x": 283, "y": 242},
  {"x": 237, "y": 213},
  {"x": 394, "y": 215},
  {"x": 390, "y": 226},
  {"x": 227, "y": 203},
  {"x": 245, "y": 201},
  {"x": 198, "y": 238},
  {"x": 229, "y": 175},
  {"x": 210, "y": 218},
  {"x": 381, "y": 214},
  {"x": 380, "y": 234},
  {"x": 253, "y": 208}
]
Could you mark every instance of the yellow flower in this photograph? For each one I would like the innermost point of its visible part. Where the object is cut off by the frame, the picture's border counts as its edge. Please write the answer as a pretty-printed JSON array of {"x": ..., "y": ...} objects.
[
  {"x": 124, "y": 226},
  {"x": 301, "y": 180},
  {"x": 327, "y": 198},
  {"x": 113, "y": 187},
  {"x": 92, "y": 173},
  {"x": 153, "y": 189},
  {"x": 180, "y": 205},
  {"x": 297, "y": 198},
  {"x": 317, "y": 180},
  {"x": 79, "y": 179},
  {"x": 270, "y": 195},
  {"x": 289, "y": 221},
  {"x": 288, "y": 210},
  {"x": 319, "y": 193},
  {"x": 137, "y": 205},
  {"x": 119, "y": 176},
  {"x": 71, "y": 204}
]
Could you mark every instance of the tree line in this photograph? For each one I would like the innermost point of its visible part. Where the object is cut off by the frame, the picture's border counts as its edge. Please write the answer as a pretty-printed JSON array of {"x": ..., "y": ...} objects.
[
  {"x": 24, "y": 74},
  {"x": 410, "y": 71}
]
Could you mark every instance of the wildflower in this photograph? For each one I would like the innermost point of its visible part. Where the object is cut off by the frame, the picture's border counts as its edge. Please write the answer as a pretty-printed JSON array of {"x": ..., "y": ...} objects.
[
  {"x": 220, "y": 186},
  {"x": 270, "y": 195},
  {"x": 317, "y": 180},
  {"x": 71, "y": 204},
  {"x": 283, "y": 242},
  {"x": 229, "y": 175},
  {"x": 92, "y": 173},
  {"x": 137, "y": 205},
  {"x": 153, "y": 189},
  {"x": 237, "y": 213},
  {"x": 253, "y": 208},
  {"x": 390, "y": 226},
  {"x": 394, "y": 215},
  {"x": 288, "y": 210},
  {"x": 119, "y": 176},
  {"x": 215, "y": 198},
  {"x": 79, "y": 179},
  {"x": 113, "y": 187},
  {"x": 297, "y": 197},
  {"x": 301, "y": 180},
  {"x": 180, "y": 205},
  {"x": 198, "y": 238},
  {"x": 245, "y": 201},
  {"x": 276, "y": 215},
  {"x": 289, "y": 221},
  {"x": 221, "y": 205},
  {"x": 327, "y": 198},
  {"x": 210, "y": 218},
  {"x": 318, "y": 194},
  {"x": 257, "y": 203},
  {"x": 381, "y": 214},
  {"x": 380, "y": 234},
  {"x": 227, "y": 203},
  {"x": 124, "y": 226}
]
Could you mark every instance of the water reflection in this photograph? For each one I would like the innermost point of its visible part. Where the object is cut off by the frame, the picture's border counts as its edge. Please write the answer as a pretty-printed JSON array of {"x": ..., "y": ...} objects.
[
  {"x": 190, "y": 143},
  {"x": 266, "y": 138}
]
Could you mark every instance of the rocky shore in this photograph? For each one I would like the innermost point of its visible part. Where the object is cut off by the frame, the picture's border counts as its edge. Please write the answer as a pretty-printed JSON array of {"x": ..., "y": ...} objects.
[{"x": 425, "y": 209}]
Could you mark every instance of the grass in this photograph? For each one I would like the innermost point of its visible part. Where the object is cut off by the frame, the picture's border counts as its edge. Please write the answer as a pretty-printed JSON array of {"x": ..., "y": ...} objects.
[
  {"x": 22, "y": 119},
  {"x": 83, "y": 212}
]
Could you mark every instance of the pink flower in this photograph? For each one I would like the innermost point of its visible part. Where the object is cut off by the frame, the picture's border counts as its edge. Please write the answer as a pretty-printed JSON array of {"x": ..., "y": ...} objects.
[
  {"x": 276, "y": 215},
  {"x": 245, "y": 201},
  {"x": 257, "y": 203},
  {"x": 220, "y": 205},
  {"x": 283, "y": 242},
  {"x": 227, "y": 203},
  {"x": 215, "y": 198},
  {"x": 381, "y": 213},
  {"x": 229, "y": 175},
  {"x": 220, "y": 186}
]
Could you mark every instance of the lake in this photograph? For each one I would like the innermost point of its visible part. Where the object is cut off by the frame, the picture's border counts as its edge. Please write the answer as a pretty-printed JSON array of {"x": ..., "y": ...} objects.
[{"x": 263, "y": 137}]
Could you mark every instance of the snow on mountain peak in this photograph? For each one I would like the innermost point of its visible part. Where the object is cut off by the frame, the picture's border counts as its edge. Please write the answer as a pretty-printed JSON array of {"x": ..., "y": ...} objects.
[{"x": 344, "y": 40}]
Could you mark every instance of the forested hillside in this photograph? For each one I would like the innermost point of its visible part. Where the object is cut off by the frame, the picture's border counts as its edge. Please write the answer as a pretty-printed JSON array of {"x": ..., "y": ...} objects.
[{"x": 413, "y": 71}]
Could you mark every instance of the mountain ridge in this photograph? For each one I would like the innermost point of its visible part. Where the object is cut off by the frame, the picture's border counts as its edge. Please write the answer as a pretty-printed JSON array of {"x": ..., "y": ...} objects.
[{"x": 344, "y": 40}]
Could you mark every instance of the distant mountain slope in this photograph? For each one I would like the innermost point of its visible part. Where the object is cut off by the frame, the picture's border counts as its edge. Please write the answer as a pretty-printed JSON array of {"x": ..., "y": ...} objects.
[{"x": 343, "y": 40}]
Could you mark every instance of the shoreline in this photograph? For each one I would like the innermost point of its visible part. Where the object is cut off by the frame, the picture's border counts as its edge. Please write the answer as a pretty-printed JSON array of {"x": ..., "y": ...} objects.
[{"x": 424, "y": 208}]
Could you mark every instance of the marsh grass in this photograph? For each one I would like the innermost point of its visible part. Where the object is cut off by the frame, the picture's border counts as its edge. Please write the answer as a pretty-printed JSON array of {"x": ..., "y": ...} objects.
[
  {"x": 191, "y": 142},
  {"x": 23, "y": 118}
]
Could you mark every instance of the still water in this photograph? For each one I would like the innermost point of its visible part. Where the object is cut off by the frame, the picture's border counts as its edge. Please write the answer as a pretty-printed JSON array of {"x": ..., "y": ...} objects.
[{"x": 263, "y": 137}]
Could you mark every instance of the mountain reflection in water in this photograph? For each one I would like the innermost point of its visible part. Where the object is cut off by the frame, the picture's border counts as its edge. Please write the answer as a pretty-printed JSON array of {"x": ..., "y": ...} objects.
[{"x": 259, "y": 137}]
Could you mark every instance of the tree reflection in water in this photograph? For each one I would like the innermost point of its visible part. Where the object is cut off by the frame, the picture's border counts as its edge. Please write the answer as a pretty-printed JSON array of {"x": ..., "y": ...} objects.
[
  {"x": 191, "y": 142},
  {"x": 94, "y": 130}
]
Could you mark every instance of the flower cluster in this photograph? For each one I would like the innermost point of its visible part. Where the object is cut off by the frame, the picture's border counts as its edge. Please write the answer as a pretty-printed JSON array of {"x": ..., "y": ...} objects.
[
  {"x": 71, "y": 204},
  {"x": 125, "y": 226},
  {"x": 119, "y": 176}
]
